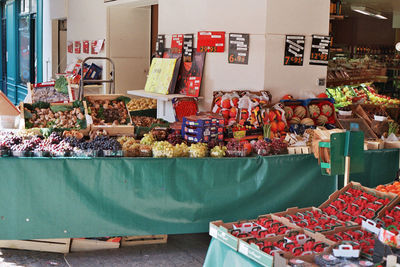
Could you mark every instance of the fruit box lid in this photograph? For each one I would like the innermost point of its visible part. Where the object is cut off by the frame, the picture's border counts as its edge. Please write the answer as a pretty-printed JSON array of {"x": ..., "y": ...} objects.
[{"x": 6, "y": 107}]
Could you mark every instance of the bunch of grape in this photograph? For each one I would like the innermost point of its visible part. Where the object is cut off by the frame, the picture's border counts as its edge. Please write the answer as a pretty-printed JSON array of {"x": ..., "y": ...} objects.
[
  {"x": 262, "y": 148},
  {"x": 198, "y": 150},
  {"x": 147, "y": 139},
  {"x": 101, "y": 143},
  {"x": 26, "y": 145},
  {"x": 73, "y": 141},
  {"x": 8, "y": 140},
  {"x": 54, "y": 138},
  {"x": 181, "y": 150},
  {"x": 213, "y": 143},
  {"x": 163, "y": 149},
  {"x": 235, "y": 149},
  {"x": 278, "y": 146},
  {"x": 175, "y": 138},
  {"x": 218, "y": 151}
]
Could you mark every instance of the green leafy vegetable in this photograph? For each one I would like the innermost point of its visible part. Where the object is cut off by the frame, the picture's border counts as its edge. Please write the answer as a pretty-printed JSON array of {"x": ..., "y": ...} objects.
[
  {"x": 61, "y": 108},
  {"x": 61, "y": 85},
  {"x": 125, "y": 99}
]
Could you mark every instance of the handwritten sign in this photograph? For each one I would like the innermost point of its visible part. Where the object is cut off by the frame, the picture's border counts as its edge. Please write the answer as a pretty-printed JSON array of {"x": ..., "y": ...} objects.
[
  {"x": 238, "y": 48},
  {"x": 160, "y": 45},
  {"x": 188, "y": 40},
  {"x": 177, "y": 43},
  {"x": 211, "y": 41},
  {"x": 320, "y": 50},
  {"x": 294, "y": 50}
]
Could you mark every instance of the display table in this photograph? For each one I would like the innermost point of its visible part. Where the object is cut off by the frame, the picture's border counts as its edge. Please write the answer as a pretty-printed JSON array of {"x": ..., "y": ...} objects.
[
  {"x": 165, "y": 109},
  {"x": 221, "y": 255},
  {"x": 64, "y": 197}
]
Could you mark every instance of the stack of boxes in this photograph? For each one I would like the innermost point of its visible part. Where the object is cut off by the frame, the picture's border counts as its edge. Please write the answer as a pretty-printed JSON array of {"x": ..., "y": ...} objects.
[{"x": 203, "y": 128}]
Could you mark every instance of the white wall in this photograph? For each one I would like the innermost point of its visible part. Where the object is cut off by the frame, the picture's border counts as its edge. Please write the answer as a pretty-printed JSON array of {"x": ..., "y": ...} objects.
[
  {"x": 267, "y": 21},
  {"x": 229, "y": 16},
  {"x": 87, "y": 20},
  {"x": 52, "y": 9},
  {"x": 296, "y": 17}
]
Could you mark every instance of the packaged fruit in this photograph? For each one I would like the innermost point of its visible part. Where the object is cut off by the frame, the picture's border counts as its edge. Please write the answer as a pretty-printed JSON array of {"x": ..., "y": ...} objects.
[
  {"x": 218, "y": 151},
  {"x": 198, "y": 150}
]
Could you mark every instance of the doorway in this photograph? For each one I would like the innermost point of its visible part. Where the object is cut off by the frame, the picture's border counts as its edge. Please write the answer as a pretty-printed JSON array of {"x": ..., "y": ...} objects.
[{"x": 59, "y": 44}]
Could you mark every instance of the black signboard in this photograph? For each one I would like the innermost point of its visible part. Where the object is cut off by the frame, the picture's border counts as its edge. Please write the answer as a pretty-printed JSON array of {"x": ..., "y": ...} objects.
[
  {"x": 188, "y": 40},
  {"x": 160, "y": 45},
  {"x": 238, "y": 48},
  {"x": 294, "y": 50},
  {"x": 320, "y": 50}
]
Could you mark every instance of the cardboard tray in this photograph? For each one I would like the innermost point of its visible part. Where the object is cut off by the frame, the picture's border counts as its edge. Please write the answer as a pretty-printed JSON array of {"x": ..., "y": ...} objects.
[
  {"x": 22, "y": 117},
  {"x": 294, "y": 210},
  {"x": 394, "y": 198},
  {"x": 253, "y": 252},
  {"x": 47, "y": 245},
  {"x": 220, "y": 230},
  {"x": 113, "y": 130},
  {"x": 92, "y": 245}
]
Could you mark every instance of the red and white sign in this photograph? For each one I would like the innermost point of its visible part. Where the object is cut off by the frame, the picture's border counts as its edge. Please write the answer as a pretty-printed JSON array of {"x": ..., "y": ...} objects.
[
  {"x": 193, "y": 86},
  {"x": 210, "y": 41},
  {"x": 85, "y": 46},
  {"x": 96, "y": 46},
  {"x": 70, "y": 47},
  {"x": 177, "y": 43},
  {"x": 77, "y": 47}
]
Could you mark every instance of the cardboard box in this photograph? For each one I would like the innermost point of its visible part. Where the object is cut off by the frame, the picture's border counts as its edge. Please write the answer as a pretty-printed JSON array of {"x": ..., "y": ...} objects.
[
  {"x": 335, "y": 195},
  {"x": 375, "y": 144},
  {"x": 222, "y": 231},
  {"x": 253, "y": 252},
  {"x": 393, "y": 144},
  {"x": 299, "y": 150},
  {"x": 6, "y": 107}
]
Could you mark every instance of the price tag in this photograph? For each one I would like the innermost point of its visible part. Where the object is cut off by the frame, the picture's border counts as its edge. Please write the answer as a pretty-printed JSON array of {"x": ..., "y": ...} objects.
[
  {"x": 320, "y": 50},
  {"x": 210, "y": 41},
  {"x": 77, "y": 47},
  {"x": 238, "y": 48},
  {"x": 177, "y": 43},
  {"x": 160, "y": 45},
  {"x": 188, "y": 40},
  {"x": 294, "y": 50},
  {"x": 193, "y": 86}
]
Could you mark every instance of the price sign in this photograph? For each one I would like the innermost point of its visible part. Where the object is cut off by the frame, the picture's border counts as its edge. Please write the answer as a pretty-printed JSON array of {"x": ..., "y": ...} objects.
[
  {"x": 238, "y": 48},
  {"x": 177, "y": 43},
  {"x": 77, "y": 47},
  {"x": 320, "y": 50},
  {"x": 160, "y": 45},
  {"x": 188, "y": 47},
  {"x": 294, "y": 50},
  {"x": 210, "y": 41}
]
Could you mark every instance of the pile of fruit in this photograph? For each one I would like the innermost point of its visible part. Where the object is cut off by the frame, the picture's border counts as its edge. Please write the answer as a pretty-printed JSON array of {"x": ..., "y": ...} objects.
[
  {"x": 42, "y": 115},
  {"x": 143, "y": 121},
  {"x": 313, "y": 220},
  {"x": 109, "y": 112},
  {"x": 292, "y": 245},
  {"x": 260, "y": 228},
  {"x": 390, "y": 217},
  {"x": 355, "y": 205},
  {"x": 390, "y": 188},
  {"x": 141, "y": 104},
  {"x": 360, "y": 239},
  {"x": 363, "y": 94}
]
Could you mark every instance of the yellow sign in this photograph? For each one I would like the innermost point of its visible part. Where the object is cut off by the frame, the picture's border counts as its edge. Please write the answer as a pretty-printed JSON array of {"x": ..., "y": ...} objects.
[{"x": 160, "y": 75}]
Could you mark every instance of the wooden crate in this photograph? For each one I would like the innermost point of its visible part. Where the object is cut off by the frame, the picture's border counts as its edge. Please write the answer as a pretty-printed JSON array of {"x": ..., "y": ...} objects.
[
  {"x": 46, "y": 245},
  {"x": 78, "y": 244},
  {"x": 299, "y": 150},
  {"x": 113, "y": 130},
  {"x": 129, "y": 241}
]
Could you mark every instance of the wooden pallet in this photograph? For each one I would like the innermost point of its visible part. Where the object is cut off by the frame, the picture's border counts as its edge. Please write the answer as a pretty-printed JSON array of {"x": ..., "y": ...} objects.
[
  {"x": 46, "y": 245},
  {"x": 129, "y": 241},
  {"x": 92, "y": 245}
]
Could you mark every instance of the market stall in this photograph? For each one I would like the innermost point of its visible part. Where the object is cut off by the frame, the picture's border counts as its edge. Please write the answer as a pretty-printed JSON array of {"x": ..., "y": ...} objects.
[{"x": 65, "y": 197}]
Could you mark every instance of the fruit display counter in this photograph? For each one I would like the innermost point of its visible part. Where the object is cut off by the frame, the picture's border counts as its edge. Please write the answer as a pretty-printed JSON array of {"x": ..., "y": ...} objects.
[{"x": 75, "y": 197}]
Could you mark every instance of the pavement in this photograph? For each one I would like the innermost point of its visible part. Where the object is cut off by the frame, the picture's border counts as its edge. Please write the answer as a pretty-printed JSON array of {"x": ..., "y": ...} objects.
[{"x": 181, "y": 250}]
